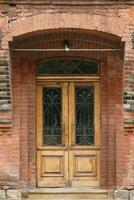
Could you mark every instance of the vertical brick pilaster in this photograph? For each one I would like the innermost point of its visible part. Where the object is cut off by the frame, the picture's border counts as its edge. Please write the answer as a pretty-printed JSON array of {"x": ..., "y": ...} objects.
[
  {"x": 32, "y": 133},
  {"x": 24, "y": 132},
  {"x": 104, "y": 124},
  {"x": 111, "y": 131},
  {"x": 120, "y": 142}
]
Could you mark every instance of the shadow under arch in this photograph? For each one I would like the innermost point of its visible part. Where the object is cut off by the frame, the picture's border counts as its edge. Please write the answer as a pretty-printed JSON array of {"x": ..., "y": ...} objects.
[{"x": 54, "y": 39}]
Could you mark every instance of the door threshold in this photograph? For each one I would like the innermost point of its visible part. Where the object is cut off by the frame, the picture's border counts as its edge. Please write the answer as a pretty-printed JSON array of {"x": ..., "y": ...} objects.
[
  {"x": 69, "y": 190},
  {"x": 68, "y": 193}
]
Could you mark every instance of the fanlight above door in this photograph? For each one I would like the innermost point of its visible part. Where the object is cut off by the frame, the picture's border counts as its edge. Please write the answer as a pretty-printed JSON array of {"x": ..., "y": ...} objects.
[{"x": 67, "y": 67}]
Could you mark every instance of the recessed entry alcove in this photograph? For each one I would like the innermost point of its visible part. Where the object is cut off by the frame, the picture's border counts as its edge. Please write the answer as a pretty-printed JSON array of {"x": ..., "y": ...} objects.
[{"x": 69, "y": 99}]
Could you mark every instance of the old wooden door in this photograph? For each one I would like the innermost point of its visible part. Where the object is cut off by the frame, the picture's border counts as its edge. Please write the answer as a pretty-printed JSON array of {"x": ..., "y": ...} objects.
[{"x": 68, "y": 133}]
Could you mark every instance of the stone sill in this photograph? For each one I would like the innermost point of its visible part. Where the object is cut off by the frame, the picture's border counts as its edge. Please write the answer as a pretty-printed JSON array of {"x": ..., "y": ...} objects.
[
  {"x": 5, "y": 107},
  {"x": 129, "y": 121},
  {"x": 69, "y": 2},
  {"x": 129, "y": 109},
  {"x": 68, "y": 190},
  {"x": 5, "y": 120}
]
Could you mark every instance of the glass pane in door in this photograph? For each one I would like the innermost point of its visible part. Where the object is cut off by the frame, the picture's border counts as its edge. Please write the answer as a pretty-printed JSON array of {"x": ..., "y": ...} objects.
[
  {"x": 84, "y": 115},
  {"x": 52, "y": 109}
]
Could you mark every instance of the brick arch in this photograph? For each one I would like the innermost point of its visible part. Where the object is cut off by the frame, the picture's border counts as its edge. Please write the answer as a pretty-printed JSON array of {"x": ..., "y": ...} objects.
[
  {"x": 65, "y": 20},
  {"x": 30, "y": 26},
  {"x": 54, "y": 38}
]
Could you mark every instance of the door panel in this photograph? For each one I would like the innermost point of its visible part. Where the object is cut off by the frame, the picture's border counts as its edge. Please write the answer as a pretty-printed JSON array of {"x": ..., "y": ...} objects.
[
  {"x": 52, "y": 131},
  {"x": 84, "y": 150},
  {"x": 52, "y": 168},
  {"x": 84, "y": 170},
  {"x": 68, "y": 134}
]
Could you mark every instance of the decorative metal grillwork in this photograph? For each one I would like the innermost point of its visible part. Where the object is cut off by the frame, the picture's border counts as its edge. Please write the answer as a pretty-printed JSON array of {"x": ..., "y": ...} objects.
[
  {"x": 52, "y": 128},
  {"x": 84, "y": 115},
  {"x": 65, "y": 67}
]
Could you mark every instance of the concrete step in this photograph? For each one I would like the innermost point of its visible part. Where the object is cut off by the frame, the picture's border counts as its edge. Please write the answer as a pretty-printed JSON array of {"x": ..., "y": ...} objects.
[{"x": 68, "y": 193}]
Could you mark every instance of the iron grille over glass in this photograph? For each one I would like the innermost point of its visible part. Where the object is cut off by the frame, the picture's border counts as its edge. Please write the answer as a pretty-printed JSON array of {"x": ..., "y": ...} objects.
[
  {"x": 84, "y": 115},
  {"x": 52, "y": 116},
  {"x": 67, "y": 67}
]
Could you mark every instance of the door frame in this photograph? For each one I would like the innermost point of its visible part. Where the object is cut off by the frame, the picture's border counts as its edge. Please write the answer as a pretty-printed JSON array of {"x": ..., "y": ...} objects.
[{"x": 54, "y": 81}]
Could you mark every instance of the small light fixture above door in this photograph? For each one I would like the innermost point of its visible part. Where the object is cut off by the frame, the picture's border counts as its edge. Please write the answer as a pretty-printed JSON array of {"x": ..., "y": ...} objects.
[{"x": 66, "y": 45}]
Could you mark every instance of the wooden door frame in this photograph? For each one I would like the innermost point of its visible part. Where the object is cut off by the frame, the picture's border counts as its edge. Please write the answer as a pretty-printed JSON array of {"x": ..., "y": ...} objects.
[{"x": 54, "y": 81}]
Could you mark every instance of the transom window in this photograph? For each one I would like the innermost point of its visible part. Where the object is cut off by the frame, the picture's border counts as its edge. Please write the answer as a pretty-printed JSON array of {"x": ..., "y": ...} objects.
[{"x": 67, "y": 67}]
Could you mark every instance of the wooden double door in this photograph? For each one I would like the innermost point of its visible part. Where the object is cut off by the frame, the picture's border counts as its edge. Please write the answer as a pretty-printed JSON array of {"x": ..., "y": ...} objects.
[{"x": 68, "y": 134}]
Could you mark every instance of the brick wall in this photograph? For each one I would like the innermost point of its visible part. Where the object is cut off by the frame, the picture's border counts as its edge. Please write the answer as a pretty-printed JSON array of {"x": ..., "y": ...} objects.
[{"x": 17, "y": 82}]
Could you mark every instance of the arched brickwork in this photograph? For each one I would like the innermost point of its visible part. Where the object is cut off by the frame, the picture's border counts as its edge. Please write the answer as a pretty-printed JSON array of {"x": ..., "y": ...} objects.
[
  {"x": 23, "y": 26},
  {"x": 66, "y": 20}
]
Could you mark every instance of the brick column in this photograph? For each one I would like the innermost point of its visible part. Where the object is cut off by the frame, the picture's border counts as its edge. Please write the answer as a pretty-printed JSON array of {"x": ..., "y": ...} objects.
[
  {"x": 9, "y": 151},
  {"x": 9, "y": 141}
]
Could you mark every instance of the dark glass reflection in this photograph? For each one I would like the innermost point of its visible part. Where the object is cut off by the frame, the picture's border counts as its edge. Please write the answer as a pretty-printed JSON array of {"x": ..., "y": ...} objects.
[
  {"x": 84, "y": 115},
  {"x": 65, "y": 67},
  {"x": 52, "y": 116}
]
